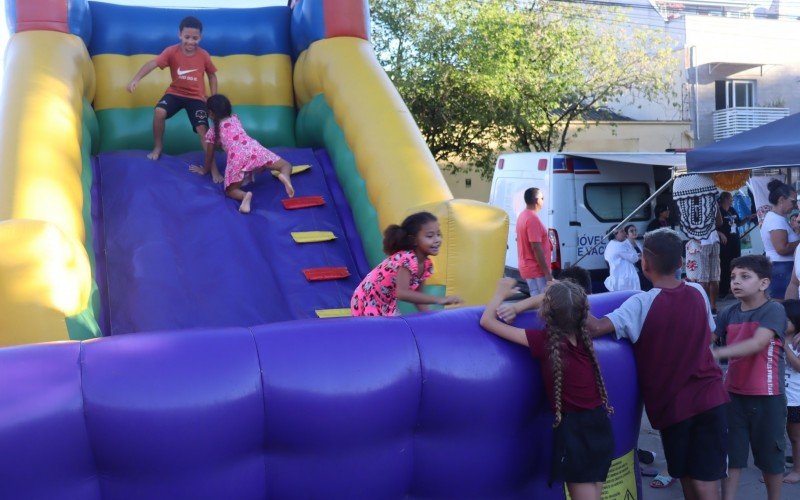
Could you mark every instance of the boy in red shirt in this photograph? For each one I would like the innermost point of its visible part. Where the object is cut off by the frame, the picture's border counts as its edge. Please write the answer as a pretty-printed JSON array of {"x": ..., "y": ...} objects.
[
  {"x": 188, "y": 64},
  {"x": 754, "y": 331},
  {"x": 670, "y": 327}
]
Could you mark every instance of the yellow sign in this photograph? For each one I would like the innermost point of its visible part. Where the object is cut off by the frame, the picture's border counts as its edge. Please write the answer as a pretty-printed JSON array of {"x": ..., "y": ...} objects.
[{"x": 621, "y": 480}]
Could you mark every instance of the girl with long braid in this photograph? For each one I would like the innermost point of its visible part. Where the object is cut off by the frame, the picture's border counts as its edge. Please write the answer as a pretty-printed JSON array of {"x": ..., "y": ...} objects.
[{"x": 583, "y": 442}]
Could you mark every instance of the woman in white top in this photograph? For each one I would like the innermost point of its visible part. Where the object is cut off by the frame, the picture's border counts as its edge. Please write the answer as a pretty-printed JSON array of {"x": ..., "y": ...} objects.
[
  {"x": 779, "y": 239},
  {"x": 621, "y": 258}
]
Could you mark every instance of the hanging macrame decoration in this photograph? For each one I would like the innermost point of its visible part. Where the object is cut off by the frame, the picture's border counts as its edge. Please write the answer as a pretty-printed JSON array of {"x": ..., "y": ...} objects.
[{"x": 696, "y": 196}]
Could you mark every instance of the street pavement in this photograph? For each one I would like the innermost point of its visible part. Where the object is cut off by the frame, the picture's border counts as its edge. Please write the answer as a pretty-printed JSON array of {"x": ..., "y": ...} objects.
[{"x": 749, "y": 486}]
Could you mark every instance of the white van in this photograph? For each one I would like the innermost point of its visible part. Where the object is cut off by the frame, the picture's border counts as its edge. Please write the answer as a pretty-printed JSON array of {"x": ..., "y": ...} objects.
[{"x": 585, "y": 194}]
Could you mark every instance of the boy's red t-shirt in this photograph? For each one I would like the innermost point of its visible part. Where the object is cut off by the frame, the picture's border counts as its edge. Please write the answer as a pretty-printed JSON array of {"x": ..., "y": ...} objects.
[
  {"x": 188, "y": 72},
  {"x": 579, "y": 387}
]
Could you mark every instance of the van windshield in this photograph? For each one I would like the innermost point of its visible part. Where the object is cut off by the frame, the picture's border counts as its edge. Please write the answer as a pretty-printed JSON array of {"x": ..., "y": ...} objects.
[{"x": 612, "y": 202}]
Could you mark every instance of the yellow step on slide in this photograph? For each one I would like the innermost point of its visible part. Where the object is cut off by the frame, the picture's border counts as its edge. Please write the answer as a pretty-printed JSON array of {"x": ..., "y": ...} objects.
[
  {"x": 333, "y": 313},
  {"x": 296, "y": 169},
  {"x": 312, "y": 236}
]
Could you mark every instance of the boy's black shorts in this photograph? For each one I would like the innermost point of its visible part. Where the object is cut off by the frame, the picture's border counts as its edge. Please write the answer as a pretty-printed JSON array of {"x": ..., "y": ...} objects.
[
  {"x": 757, "y": 423},
  {"x": 698, "y": 446},
  {"x": 195, "y": 108},
  {"x": 583, "y": 447}
]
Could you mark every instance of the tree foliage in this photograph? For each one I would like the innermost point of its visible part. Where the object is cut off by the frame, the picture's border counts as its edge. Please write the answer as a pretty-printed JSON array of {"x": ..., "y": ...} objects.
[{"x": 479, "y": 75}]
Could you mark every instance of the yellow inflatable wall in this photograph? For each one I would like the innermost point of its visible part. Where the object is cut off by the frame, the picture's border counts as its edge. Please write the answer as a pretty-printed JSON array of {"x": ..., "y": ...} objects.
[{"x": 44, "y": 268}]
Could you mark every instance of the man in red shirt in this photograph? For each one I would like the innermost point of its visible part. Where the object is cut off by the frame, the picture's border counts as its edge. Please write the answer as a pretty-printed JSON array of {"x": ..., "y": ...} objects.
[
  {"x": 188, "y": 64},
  {"x": 534, "y": 249}
]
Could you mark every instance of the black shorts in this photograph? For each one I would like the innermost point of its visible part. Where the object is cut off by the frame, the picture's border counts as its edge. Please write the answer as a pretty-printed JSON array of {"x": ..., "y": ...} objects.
[
  {"x": 583, "y": 447},
  {"x": 757, "y": 423},
  {"x": 698, "y": 446},
  {"x": 195, "y": 109},
  {"x": 793, "y": 414}
]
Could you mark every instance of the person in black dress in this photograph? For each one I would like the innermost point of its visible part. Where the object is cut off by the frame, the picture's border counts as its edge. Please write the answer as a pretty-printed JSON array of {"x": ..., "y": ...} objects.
[{"x": 729, "y": 244}]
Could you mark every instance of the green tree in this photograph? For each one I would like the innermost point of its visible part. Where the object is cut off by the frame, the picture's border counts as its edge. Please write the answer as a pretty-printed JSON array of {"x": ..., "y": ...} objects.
[{"x": 483, "y": 75}]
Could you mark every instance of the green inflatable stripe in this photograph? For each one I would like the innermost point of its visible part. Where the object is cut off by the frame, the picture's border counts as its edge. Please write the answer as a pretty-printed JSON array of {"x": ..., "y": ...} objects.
[
  {"x": 133, "y": 128},
  {"x": 437, "y": 290},
  {"x": 317, "y": 127},
  {"x": 84, "y": 325}
]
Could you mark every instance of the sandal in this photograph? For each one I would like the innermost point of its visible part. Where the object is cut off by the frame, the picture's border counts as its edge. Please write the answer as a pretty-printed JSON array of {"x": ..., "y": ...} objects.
[{"x": 662, "y": 481}]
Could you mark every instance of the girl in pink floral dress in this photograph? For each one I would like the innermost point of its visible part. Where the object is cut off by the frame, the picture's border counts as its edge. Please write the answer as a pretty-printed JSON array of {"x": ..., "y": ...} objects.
[
  {"x": 403, "y": 273},
  {"x": 246, "y": 157}
]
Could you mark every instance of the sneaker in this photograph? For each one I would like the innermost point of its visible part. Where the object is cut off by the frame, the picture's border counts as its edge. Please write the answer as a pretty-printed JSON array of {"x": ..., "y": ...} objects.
[{"x": 646, "y": 457}]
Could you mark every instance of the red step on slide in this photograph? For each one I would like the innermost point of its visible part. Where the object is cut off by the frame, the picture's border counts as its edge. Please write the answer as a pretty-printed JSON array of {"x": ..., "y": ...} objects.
[
  {"x": 326, "y": 273},
  {"x": 302, "y": 202}
]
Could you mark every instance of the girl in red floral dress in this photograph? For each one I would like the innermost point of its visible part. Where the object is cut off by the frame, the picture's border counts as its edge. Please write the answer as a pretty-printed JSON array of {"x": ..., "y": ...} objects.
[
  {"x": 404, "y": 272},
  {"x": 246, "y": 157}
]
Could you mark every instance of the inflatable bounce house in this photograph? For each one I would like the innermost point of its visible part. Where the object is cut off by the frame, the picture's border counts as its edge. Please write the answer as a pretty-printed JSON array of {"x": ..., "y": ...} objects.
[{"x": 215, "y": 376}]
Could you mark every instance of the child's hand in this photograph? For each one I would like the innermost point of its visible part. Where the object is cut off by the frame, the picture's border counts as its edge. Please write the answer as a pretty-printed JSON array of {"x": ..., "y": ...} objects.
[
  {"x": 132, "y": 86},
  {"x": 197, "y": 169},
  {"x": 507, "y": 312},
  {"x": 450, "y": 300},
  {"x": 506, "y": 287}
]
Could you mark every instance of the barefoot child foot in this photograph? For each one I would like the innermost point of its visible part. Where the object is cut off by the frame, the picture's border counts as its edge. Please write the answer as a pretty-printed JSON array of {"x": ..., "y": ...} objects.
[
  {"x": 154, "y": 154},
  {"x": 287, "y": 184},
  {"x": 245, "y": 206}
]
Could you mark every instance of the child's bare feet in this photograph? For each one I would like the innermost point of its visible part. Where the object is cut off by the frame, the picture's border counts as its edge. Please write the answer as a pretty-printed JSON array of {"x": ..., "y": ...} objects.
[
  {"x": 245, "y": 206},
  {"x": 154, "y": 154},
  {"x": 287, "y": 184}
]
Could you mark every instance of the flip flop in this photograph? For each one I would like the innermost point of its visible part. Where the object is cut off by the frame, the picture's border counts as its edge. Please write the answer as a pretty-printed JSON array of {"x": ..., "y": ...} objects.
[
  {"x": 661, "y": 481},
  {"x": 786, "y": 479}
]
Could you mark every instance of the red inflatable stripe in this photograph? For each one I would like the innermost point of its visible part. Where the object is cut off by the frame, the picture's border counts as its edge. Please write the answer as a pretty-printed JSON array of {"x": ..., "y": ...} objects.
[
  {"x": 326, "y": 273},
  {"x": 345, "y": 19},
  {"x": 302, "y": 202},
  {"x": 48, "y": 15}
]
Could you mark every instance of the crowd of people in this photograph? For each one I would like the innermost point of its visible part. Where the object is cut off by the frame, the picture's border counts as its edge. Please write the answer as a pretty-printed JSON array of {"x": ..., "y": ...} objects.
[{"x": 709, "y": 423}]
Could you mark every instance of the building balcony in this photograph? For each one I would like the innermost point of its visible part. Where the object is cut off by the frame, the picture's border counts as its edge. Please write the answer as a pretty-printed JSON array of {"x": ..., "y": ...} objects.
[{"x": 731, "y": 121}]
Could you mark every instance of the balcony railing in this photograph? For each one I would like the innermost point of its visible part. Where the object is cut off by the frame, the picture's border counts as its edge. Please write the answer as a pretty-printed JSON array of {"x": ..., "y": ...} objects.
[{"x": 731, "y": 121}]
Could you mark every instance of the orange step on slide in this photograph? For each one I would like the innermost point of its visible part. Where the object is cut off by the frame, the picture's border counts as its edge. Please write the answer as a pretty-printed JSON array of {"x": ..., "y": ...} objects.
[
  {"x": 302, "y": 202},
  {"x": 326, "y": 273}
]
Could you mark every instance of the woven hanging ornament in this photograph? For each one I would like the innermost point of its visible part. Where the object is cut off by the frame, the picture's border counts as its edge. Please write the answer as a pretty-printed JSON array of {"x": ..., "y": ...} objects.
[
  {"x": 731, "y": 181},
  {"x": 696, "y": 196}
]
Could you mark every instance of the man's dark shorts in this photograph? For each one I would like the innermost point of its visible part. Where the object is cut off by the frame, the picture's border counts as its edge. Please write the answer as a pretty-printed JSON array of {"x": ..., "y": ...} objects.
[
  {"x": 698, "y": 446},
  {"x": 195, "y": 108}
]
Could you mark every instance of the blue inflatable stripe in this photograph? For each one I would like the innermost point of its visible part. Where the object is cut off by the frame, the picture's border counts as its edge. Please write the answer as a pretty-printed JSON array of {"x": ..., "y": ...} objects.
[
  {"x": 11, "y": 16},
  {"x": 308, "y": 24},
  {"x": 126, "y": 30},
  {"x": 79, "y": 19}
]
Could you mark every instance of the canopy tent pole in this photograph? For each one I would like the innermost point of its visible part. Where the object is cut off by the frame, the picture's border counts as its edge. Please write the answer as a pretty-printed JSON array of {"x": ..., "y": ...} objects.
[{"x": 629, "y": 217}]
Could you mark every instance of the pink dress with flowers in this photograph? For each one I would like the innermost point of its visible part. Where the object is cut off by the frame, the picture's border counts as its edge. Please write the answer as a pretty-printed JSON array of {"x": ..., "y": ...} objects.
[
  {"x": 376, "y": 295},
  {"x": 245, "y": 155}
]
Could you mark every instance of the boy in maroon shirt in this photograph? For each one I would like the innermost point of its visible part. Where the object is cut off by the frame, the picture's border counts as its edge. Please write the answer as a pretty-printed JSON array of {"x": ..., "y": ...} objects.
[
  {"x": 670, "y": 327},
  {"x": 188, "y": 64}
]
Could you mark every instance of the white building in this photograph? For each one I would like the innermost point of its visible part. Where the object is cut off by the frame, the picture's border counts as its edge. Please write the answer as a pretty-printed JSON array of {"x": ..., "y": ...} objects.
[{"x": 741, "y": 62}]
